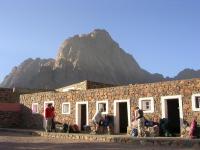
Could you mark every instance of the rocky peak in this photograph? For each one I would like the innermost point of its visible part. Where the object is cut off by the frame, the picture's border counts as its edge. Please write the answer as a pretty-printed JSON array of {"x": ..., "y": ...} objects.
[
  {"x": 94, "y": 56},
  {"x": 78, "y": 48}
]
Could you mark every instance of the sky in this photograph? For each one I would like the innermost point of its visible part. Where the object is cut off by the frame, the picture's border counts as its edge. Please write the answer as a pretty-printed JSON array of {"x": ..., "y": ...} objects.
[{"x": 162, "y": 35}]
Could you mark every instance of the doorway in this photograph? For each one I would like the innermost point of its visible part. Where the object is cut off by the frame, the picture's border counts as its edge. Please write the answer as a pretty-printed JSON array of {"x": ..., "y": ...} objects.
[
  {"x": 121, "y": 115},
  {"x": 81, "y": 114},
  {"x": 173, "y": 111},
  {"x": 173, "y": 116},
  {"x": 45, "y": 106}
]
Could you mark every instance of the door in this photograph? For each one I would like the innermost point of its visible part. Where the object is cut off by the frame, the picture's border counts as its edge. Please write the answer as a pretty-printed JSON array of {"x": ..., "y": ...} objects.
[
  {"x": 173, "y": 116},
  {"x": 123, "y": 117},
  {"x": 83, "y": 115}
]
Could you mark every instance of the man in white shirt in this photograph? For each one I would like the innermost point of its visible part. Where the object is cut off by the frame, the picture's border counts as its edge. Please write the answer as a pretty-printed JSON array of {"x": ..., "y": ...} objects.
[
  {"x": 97, "y": 119},
  {"x": 140, "y": 119}
]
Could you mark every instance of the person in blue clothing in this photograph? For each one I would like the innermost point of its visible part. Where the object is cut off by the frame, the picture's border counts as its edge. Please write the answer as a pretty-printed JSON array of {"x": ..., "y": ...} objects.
[{"x": 108, "y": 123}]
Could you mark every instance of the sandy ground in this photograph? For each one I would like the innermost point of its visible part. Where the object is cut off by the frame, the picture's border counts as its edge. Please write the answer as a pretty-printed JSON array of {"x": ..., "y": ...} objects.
[{"x": 21, "y": 141}]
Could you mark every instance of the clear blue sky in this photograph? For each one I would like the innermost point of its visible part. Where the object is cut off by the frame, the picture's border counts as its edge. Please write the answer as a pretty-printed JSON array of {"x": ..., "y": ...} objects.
[{"x": 162, "y": 35}]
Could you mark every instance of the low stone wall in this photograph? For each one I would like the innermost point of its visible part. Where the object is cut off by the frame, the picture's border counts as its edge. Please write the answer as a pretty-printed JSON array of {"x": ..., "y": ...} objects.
[
  {"x": 154, "y": 142},
  {"x": 9, "y": 119}
]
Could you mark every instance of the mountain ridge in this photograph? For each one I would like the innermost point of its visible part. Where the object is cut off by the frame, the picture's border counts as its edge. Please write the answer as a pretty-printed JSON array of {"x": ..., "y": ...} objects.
[{"x": 94, "y": 56}]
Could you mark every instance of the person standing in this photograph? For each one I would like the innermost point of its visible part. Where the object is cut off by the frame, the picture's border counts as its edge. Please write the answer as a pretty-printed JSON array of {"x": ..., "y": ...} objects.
[
  {"x": 97, "y": 119},
  {"x": 53, "y": 126},
  {"x": 49, "y": 116},
  {"x": 140, "y": 119}
]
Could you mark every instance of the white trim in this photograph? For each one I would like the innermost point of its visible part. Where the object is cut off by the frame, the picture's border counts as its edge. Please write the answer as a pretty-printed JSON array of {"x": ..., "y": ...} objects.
[
  {"x": 66, "y": 113},
  {"x": 47, "y": 102},
  {"x": 193, "y": 102},
  {"x": 67, "y": 89},
  {"x": 32, "y": 108},
  {"x": 151, "y": 103},
  {"x": 116, "y": 116},
  {"x": 44, "y": 120},
  {"x": 106, "y": 102},
  {"x": 77, "y": 115},
  {"x": 164, "y": 106}
]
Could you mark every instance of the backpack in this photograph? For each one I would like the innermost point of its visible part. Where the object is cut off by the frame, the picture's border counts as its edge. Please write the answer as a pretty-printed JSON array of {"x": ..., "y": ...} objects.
[
  {"x": 65, "y": 127},
  {"x": 75, "y": 128},
  {"x": 134, "y": 132},
  {"x": 140, "y": 112}
]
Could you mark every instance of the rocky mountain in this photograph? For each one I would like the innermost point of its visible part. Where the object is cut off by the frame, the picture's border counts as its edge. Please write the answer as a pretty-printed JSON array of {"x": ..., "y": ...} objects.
[
  {"x": 94, "y": 56},
  {"x": 188, "y": 74}
]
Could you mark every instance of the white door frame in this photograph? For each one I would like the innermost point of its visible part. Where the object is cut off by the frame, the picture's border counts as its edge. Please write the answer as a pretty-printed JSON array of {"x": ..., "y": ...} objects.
[
  {"x": 116, "y": 113},
  {"x": 164, "y": 106},
  {"x": 78, "y": 115},
  {"x": 44, "y": 120}
]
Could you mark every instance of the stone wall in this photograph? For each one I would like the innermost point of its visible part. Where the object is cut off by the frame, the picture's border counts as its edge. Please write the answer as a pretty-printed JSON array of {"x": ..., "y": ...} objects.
[
  {"x": 10, "y": 115},
  {"x": 185, "y": 88},
  {"x": 8, "y": 96},
  {"x": 97, "y": 85},
  {"x": 12, "y": 95},
  {"x": 10, "y": 109},
  {"x": 9, "y": 119}
]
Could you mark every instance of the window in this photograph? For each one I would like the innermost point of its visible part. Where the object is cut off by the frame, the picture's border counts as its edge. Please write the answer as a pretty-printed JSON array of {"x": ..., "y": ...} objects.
[
  {"x": 196, "y": 102},
  {"x": 146, "y": 104},
  {"x": 102, "y": 104},
  {"x": 35, "y": 108},
  {"x": 65, "y": 108}
]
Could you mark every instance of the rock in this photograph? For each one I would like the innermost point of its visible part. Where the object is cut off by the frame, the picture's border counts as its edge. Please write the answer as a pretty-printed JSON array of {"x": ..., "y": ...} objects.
[{"x": 94, "y": 56}]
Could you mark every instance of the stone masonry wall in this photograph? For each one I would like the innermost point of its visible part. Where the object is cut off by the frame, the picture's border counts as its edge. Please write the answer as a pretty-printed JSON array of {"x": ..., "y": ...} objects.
[
  {"x": 185, "y": 88},
  {"x": 9, "y": 119},
  {"x": 97, "y": 85},
  {"x": 8, "y": 96},
  {"x": 10, "y": 110}
]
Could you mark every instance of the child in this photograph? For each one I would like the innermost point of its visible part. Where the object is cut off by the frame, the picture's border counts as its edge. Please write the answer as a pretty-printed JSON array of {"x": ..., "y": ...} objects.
[{"x": 193, "y": 128}]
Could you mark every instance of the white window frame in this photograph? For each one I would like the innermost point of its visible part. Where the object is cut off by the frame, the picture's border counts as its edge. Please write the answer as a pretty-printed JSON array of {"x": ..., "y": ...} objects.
[
  {"x": 66, "y": 113},
  {"x": 194, "y": 101},
  {"x": 104, "y": 101},
  {"x": 32, "y": 108},
  {"x": 151, "y": 104}
]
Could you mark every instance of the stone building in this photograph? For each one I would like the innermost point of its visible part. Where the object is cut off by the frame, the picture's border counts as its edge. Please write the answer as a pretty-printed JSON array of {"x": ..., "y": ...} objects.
[
  {"x": 179, "y": 101},
  {"x": 10, "y": 108}
]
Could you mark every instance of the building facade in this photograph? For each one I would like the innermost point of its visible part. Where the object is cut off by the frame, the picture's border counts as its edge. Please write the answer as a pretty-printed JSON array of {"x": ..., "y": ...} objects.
[{"x": 179, "y": 101}]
